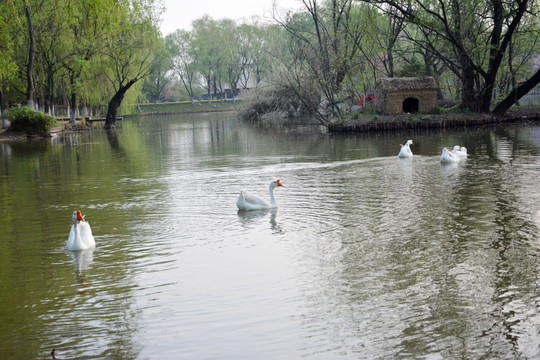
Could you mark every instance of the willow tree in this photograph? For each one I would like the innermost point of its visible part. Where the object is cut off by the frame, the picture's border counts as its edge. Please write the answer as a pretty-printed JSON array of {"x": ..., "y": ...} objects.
[
  {"x": 479, "y": 34},
  {"x": 87, "y": 26},
  {"x": 8, "y": 68},
  {"x": 208, "y": 53},
  {"x": 179, "y": 45},
  {"x": 233, "y": 61},
  {"x": 130, "y": 51},
  {"x": 253, "y": 45}
]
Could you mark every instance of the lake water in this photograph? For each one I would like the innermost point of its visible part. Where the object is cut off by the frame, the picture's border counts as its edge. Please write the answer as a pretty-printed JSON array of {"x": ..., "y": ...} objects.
[{"x": 368, "y": 256}]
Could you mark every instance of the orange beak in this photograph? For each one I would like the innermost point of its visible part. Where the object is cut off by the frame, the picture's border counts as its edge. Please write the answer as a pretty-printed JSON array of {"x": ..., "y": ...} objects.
[
  {"x": 79, "y": 216},
  {"x": 279, "y": 183}
]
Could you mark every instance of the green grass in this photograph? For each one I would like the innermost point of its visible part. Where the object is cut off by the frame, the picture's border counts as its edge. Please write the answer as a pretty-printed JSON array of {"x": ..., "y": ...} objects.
[{"x": 437, "y": 110}]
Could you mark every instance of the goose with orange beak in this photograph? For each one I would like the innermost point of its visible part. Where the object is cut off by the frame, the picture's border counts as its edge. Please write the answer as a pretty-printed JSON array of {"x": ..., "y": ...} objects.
[
  {"x": 80, "y": 237},
  {"x": 405, "y": 151},
  {"x": 247, "y": 202}
]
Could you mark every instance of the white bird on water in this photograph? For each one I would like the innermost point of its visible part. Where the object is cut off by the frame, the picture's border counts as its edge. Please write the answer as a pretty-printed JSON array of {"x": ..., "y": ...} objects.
[
  {"x": 247, "y": 201},
  {"x": 405, "y": 151},
  {"x": 448, "y": 157},
  {"x": 460, "y": 151},
  {"x": 80, "y": 236}
]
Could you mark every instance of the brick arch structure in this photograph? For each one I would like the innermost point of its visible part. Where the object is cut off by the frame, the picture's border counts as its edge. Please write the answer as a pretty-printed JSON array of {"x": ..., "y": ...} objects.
[{"x": 405, "y": 95}]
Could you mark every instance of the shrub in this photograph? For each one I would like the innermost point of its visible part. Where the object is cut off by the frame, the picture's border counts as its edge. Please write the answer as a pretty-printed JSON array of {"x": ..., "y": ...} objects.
[
  {"x": 30, "y": 121},
  {"x": 437, "y": 110}
]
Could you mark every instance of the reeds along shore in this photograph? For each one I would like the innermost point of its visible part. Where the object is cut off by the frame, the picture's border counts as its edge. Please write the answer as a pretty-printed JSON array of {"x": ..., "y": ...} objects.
[{"x": 427, "y": 123}]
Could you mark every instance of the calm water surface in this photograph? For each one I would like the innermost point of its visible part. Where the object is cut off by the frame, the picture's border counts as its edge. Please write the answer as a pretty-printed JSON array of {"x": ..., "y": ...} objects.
[{"x": 368, "y": 256}]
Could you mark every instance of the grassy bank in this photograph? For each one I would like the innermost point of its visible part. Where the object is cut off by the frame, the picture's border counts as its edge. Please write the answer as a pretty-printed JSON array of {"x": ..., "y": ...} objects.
[
  {"x": 186, "y": 107},
  {"x": 449, "y": 119}
]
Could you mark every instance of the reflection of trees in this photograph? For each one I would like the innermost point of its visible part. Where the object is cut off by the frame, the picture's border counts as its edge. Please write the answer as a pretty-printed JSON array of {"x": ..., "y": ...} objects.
[
  {"x": 41, "y": 185},
  {"x": 515, "y": 260},
  {"x": 433, "y": 258},
  {"x": 112, "y": 137}
]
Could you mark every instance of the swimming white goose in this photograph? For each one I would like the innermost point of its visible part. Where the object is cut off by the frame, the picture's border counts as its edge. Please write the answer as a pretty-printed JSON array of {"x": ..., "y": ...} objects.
[
  {"x": 405, "y": 151},
  {"x": 448, "y": 157},
  {"x": 460, "y": 151},
  {"x": 80, "y": 236},
  {"x": 252, "y": 202}
]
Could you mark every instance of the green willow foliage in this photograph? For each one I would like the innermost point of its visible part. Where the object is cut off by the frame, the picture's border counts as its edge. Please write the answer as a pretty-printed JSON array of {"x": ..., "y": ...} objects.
[
  {"x": 69, "y": 53},
  {"x": 324, "y": 57}
]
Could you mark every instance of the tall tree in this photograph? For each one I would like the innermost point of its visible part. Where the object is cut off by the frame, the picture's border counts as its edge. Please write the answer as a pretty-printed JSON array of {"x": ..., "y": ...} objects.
[
  {"x": 479, "y": 34},
  {"x": 8, "y": 68},
  {"x": 232, "y": 58},
  {"x": 30, "y": 59},
  {"x": 326, "y": 41},
  {"x": 209, "y": 53},
  {"x": 388, "y": 31},
  {"x": 87, "y": 27},
  {"x": 158, "y": 80},
  {"x": 130, "y": 51},
  {"x": 253, "y": 44},
  {"x": 51, "y": 50},
  {"x": 179, "y": 44}
]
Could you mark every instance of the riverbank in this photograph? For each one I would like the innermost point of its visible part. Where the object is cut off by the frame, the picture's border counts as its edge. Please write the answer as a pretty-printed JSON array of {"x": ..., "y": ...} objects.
[
  {"x": 6, "y": 135},
  {"x": 364, "y": 122},
  {"x": 186, "y": 107},
  {"x": 377, "y": 123}
]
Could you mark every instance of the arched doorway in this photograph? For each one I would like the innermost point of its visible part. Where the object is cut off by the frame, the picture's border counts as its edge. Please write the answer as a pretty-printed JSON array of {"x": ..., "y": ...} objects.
[{"x": 410, "y": 105}]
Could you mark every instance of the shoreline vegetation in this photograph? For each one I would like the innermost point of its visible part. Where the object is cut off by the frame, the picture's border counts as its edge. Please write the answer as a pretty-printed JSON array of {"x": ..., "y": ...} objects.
[
  {"x": 357, "y": 123},
  {"x": 446, "y": 120}
]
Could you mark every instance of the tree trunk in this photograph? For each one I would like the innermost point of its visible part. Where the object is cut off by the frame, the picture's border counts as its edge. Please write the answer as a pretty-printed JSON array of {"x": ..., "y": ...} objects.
[
  {"x": 3, "y": 101},
  {"x": 114, "y": 104},
  {"x": 73, "y": 100},
  {"x": 468, "y": 94},
  {"x": 30, "y": 64},
  {"x": 516, "y": 94},
  {"x": 209, "y": 82},
  {"x": 49, "y": 96}
]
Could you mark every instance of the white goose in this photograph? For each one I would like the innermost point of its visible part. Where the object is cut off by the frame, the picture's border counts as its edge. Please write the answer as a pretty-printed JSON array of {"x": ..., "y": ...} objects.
[
  {"x": 80, "y": 236},
  {"x": 448, "y": 157},
  {"x": 460, "y": 151},
  {"x": 252, "y": 202},
  {"x": 405, "y": 151}
]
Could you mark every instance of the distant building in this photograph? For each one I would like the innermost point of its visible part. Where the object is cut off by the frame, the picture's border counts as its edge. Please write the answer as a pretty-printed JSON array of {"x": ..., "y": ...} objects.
[
  {"x": 405, "y": 95},
  {"x": 228, "y": 94}
]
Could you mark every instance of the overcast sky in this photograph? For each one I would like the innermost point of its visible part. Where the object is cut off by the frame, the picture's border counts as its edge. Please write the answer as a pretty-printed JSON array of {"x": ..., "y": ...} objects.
[{"x": 180, "y": 13}]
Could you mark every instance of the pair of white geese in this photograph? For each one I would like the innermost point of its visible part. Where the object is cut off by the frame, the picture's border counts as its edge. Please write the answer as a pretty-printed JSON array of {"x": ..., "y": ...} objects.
[
  {"x": 456, "y": 155},
  {"x": 81, "y": 238}
]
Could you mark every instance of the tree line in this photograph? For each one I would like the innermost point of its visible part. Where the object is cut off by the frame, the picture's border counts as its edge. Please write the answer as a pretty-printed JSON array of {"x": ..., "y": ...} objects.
[
  {"x": 319, "y": 60},
  {"x": 76, "y": 53}
]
